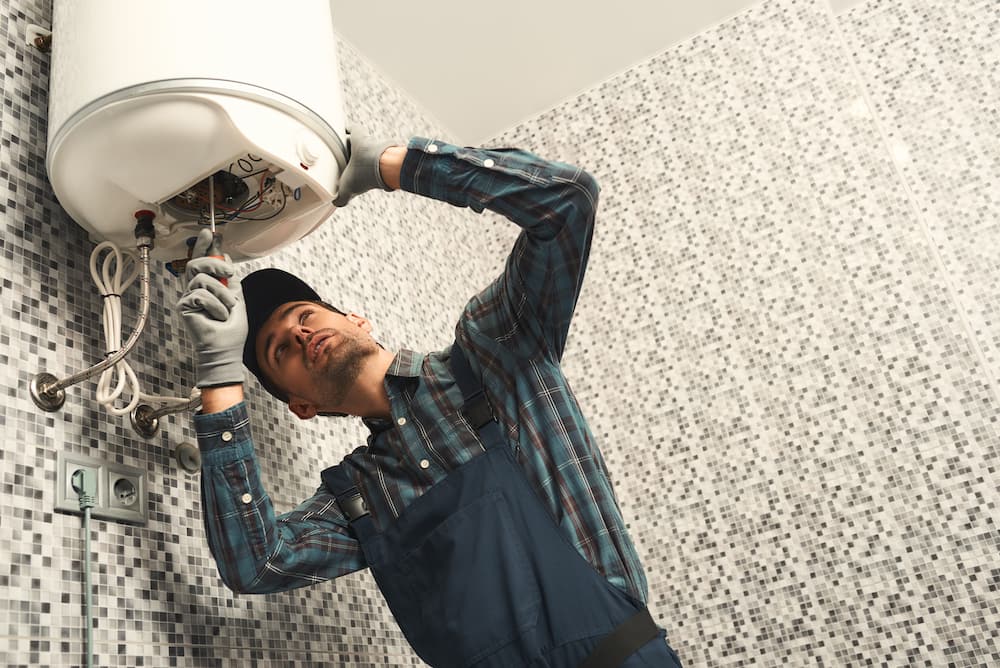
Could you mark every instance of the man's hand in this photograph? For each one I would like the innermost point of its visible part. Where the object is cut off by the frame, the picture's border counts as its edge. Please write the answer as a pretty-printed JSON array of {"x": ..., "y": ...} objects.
[
  {"x": 362, "y": 173},
  {"x": 215, "y": 314}
]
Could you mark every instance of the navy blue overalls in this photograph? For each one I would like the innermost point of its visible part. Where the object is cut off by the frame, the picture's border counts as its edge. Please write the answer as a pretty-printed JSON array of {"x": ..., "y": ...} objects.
[{"x": 477, "y": 573}]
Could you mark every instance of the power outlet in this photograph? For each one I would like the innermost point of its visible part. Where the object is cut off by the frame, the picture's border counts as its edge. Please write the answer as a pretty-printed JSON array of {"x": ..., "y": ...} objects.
[
  {"x": 121, "y": 490},
  {"x": 67, "y": 500},
  {"x": 126, "y": 494}
]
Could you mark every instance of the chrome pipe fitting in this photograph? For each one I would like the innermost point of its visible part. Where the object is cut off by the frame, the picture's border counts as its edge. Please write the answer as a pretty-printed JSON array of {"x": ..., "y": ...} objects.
[{"x": 146, "y": 419}]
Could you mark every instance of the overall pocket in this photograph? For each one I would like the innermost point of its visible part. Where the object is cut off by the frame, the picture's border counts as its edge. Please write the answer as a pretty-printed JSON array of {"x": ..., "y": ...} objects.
[{"x": 473, "y": 587}]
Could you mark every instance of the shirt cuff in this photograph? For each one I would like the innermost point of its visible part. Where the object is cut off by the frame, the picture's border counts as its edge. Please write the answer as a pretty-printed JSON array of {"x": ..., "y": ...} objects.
[
  {"x": 225, "y": 436},
  {"x": 418, "y": 170}
]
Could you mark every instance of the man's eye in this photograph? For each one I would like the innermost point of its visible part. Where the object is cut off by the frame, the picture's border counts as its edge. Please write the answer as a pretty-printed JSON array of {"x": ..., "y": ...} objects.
[
  {"x": 278, "y": 351},
  {"x": 305, "y": 314}
]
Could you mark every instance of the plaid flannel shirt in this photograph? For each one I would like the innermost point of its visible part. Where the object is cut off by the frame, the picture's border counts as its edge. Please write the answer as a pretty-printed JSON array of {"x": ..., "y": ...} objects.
[{"x": 513, "y": 333}]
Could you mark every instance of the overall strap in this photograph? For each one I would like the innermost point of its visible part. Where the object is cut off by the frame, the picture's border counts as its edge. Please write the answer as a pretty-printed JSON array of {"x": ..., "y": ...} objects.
[
  {"x": 351, "y": 503},
  {"x": 475, "y": 405},
  {"x": 623, "y": 642},
  {"x": 475, "y": 408}
]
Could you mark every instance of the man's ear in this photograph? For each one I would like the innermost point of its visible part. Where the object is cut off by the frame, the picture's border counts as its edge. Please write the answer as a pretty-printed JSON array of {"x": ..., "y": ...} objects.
[
  {"x": 360, "y": 321},
  {"x": 302, "y": 409}
]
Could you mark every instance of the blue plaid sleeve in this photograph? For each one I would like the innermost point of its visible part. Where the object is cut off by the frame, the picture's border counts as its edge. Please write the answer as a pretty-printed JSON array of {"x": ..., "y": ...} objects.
[
  {"x": 531, "y": 304},
  {"x": 257, "y": 551}
]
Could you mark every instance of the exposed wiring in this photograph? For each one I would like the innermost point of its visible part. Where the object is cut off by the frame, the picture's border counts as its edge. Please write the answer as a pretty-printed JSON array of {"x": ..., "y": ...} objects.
[
  {"x": 266, "y": 183},
  {"x": 118, "y": 271},
  {"x": 284, "y": 201},
  {"x": 252, "y": 203}
]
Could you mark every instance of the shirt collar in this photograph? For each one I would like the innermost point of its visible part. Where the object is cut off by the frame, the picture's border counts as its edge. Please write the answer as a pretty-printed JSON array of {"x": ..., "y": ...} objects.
[{"x": 406, "y": 364}]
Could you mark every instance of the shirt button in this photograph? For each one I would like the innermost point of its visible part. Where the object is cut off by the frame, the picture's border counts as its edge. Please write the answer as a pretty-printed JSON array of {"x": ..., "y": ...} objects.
[
  {"x": 432, "y": 148},
  {"x": 227, "y": 436},
  {"x": 246, "y": 498},
  {"x": 401, "y": 421},
  {"x": 488, "y": 162},
  {"x": 424, "y": 464}
]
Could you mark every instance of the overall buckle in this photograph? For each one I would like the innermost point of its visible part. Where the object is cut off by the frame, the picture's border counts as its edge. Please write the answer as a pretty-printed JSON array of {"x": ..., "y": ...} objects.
[{"x": 354, "y": 507}]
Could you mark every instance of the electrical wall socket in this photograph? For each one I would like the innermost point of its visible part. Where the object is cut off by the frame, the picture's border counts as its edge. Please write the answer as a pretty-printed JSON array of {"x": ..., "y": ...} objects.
[
  {"x": 121, "y": 490},
  {"x": 67, "y": 499}
]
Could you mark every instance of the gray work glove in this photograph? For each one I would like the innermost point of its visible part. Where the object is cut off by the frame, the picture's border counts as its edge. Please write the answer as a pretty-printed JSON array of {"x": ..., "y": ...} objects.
[
  {"x": 215, "y": 314},
  {"x": 362, "y": 173}
]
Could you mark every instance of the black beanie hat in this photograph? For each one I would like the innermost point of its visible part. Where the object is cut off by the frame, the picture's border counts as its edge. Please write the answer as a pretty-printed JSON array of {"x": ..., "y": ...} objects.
[{"x": 263, "y": 292}]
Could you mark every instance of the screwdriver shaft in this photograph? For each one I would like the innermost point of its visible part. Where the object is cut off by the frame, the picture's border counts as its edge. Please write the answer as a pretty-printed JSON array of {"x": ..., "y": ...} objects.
[{"x": 211, "y": 202}]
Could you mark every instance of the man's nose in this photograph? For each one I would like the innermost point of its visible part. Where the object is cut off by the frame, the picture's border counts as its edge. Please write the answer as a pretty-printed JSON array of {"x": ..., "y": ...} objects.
[{"x": 301, "y": 333}]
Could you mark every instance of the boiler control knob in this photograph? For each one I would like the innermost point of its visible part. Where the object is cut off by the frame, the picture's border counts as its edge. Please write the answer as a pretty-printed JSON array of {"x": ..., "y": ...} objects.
[{"x": 310, "y": 149}]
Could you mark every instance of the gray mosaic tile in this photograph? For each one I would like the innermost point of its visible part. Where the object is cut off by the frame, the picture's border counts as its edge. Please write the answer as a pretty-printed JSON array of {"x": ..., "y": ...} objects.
[
  {"x": 931, "y": 70},
  {"x": 786, "y": 345},
  {"x": 791, "y": 405},
  {"x": 158, "y": 598}
]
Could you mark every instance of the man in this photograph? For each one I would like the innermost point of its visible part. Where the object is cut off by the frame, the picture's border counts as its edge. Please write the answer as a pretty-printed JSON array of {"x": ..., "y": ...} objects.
[{"x": 481, "y": 503}]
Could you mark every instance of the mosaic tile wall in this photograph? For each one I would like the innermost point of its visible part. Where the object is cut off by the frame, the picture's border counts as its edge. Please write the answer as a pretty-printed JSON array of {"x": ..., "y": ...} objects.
[
  {"x": 933, "y": 73},
  {"x": 786, "y": 344},
  {"x": 158, "y": 598},
  {"x": 787, "y": 339}
]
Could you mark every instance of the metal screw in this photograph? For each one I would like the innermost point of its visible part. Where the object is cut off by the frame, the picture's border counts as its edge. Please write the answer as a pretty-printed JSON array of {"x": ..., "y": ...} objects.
[{"x": 44, "y": 43}]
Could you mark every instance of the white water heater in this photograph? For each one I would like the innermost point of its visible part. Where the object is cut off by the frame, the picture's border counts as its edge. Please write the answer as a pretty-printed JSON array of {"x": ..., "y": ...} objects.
[{"x": 149, "y": 99}]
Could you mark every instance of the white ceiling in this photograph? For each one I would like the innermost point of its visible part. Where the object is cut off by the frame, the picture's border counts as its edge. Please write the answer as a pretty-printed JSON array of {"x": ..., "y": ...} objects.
[{"x": 481, "y": 68}]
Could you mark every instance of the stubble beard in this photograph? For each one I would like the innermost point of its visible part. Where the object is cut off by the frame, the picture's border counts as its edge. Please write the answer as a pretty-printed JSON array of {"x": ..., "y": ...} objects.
[{"x": 342, "y": 368}]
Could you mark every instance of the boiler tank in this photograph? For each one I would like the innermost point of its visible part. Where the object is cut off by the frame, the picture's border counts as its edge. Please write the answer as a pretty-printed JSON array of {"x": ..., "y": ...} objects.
[{"x": 149, "y": 99}]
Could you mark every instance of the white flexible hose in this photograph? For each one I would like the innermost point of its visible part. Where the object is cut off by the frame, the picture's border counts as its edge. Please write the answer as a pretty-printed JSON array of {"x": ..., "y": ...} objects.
[{"x": 117, "y": 272}]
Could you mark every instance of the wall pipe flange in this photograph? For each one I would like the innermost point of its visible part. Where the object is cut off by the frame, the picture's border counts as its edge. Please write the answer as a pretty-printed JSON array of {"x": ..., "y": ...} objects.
[
  {"x": 188, "y": 457},
  {"x": 45, "y": 392},
  {"x": 145, "y": 421}
]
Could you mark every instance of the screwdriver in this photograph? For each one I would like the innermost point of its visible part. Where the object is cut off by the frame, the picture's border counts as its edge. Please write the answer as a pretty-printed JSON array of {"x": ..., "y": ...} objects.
[
  {"x": 211, "y": 202},
  {"x": 211, "y": 219}
]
